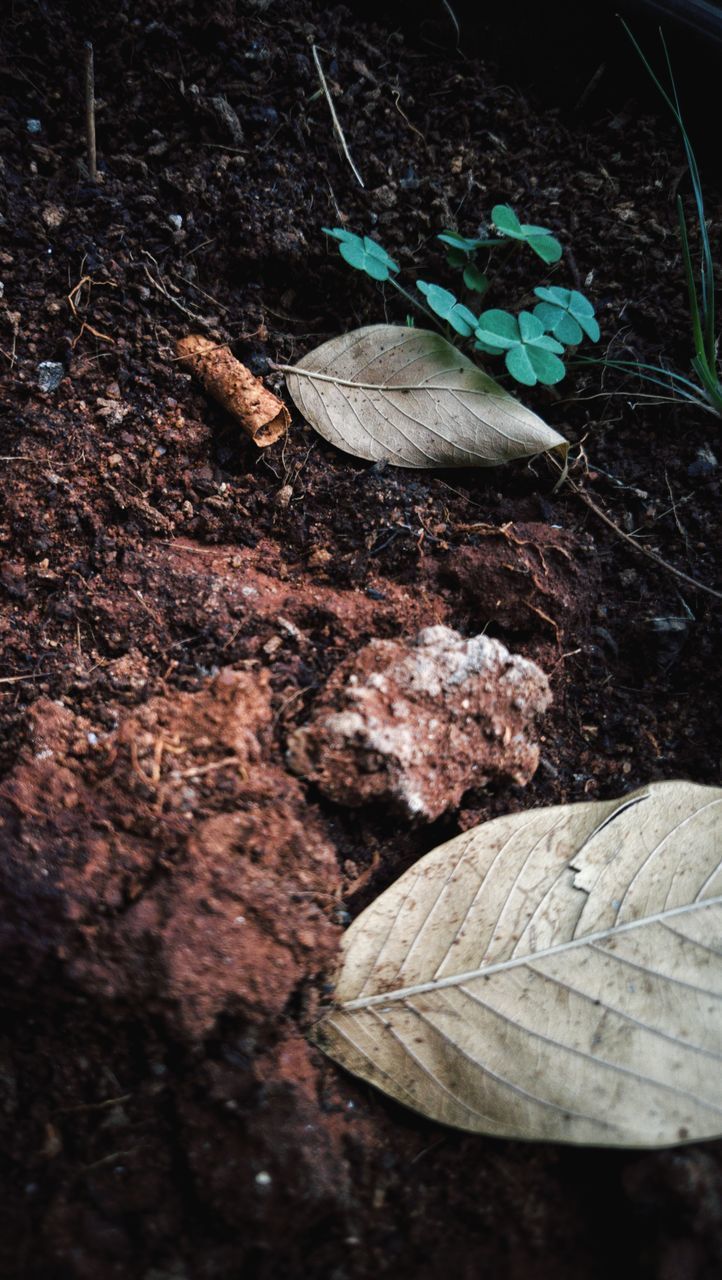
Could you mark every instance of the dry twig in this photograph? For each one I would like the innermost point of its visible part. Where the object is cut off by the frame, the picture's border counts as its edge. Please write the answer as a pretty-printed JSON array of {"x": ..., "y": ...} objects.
[
  {"x": 334, "y": 117},
  {"x": 90, "y": 111},
  {"x": 644, "y": 551}
]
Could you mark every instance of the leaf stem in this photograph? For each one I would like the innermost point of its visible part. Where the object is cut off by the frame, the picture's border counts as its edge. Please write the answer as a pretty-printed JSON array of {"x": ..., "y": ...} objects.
[{"x": 414, "y": 302}]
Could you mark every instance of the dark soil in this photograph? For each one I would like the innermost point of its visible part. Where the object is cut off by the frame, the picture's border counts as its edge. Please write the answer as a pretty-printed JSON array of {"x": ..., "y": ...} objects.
[{"x": 174, "y": 601}]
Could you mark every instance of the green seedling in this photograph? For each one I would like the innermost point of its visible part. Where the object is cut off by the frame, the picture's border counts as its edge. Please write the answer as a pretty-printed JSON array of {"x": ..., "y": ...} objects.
[
  {"x": 567, "y": 315},
  {"x": 461, "y": 250},
  {"x": 444, "y": 304},
  {"x": 530, "y": 354},
  {"x": 364, "y": 253},
  {"x": 539, "y": 239},
  {"x": 530, "y": 343},
  {"x": 460, "y": 254}
]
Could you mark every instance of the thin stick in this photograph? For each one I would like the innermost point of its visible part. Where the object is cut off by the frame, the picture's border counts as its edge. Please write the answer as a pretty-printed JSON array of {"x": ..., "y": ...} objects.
[
  {"x": 591, "y": 86},
  {"x": 651, "y": 555},
  {"x": 17, "y": 679},
  {"x": 334, "y": 117},
  {"x": 454, "y": 20},
  {"x": 90, "y": 111}
]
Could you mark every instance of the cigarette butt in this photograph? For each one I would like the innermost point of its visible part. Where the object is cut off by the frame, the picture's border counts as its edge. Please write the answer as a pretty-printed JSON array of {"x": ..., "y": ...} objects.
[{"x": 261, "y": 414}]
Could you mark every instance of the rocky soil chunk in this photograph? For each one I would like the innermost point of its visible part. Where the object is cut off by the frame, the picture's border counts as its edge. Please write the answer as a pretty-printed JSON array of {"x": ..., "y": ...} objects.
[
  {"x": 169, "y": 863},
  {"x": 416, "y": 725}
]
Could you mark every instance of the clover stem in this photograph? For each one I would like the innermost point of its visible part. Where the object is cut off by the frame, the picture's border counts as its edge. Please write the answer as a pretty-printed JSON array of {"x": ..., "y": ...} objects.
[{"x": 415, "y": 302}]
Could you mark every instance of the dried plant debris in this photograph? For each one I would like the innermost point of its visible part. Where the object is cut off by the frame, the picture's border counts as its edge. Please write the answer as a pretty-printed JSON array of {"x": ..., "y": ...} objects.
[
  {"x": 555, "y": 974},
  {"x": 408, "y": 397},
  {"x": 262, "y": 415}
]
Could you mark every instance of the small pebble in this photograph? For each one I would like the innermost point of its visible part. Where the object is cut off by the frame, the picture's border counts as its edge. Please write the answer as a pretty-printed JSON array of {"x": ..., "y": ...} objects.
[
  {"x": 50, "y": 375},
  {"x": 175, "y": 221},
  {"x": 33, "y": 126},
  {"x": 705, "y": 464}
]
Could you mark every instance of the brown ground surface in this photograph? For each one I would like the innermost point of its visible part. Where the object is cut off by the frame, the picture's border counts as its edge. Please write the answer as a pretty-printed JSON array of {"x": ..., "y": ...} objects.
[{"x": 173, "y": 601}]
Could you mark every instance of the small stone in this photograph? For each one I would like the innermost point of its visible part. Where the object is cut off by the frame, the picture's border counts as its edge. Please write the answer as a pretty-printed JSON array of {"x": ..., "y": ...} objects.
[
  {"x": 319, "y": 557},
  {"x": 385, "y": 197},
  {"x": 705, "y": 464},
  {"x": 53, "y": 216},
  {"x": 50, "y": 375},
  {"x": 227, "y": 119},
  {"x": 175, "y": 221},
  {"x": 33, "y": 126}
]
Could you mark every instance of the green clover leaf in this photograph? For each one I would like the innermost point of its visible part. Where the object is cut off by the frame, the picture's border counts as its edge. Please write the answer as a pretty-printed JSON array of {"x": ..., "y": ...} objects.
[
  {"x": 363, "y": 254},
  {"x": 456, "y": 258},
  {"x": 497, "y": 331},
  {"x": 444, "y": 304},
  {"x": 530, "y": 354},
  {"x": 460, "y": 250},
  {"x": 567, "y": 314},
  {"x": 538, "y": 238},
  {"x": 462, "y": 244},
  {"x": 475, "y": 279}
]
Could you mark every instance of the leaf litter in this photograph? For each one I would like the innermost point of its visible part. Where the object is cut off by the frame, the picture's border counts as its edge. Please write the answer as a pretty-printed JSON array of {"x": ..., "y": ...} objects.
[
  {"x": 486, "y": 991},
  {"x": 406, "y": 396}
]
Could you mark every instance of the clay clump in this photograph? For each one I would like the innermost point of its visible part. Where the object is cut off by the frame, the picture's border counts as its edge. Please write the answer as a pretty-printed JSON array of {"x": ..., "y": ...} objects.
[
  {"x": 168, "y": 863},
  {"x": 415, "y": 725}
]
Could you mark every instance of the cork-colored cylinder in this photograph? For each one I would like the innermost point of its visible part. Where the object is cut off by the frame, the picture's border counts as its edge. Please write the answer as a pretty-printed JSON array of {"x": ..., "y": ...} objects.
[{"x": 262, "y": 415}]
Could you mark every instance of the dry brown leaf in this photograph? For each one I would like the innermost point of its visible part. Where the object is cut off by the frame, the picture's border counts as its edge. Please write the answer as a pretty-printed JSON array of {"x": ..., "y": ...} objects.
[
  {"x": 553, "y": 975},
  {"x": 408, "y": 397}
]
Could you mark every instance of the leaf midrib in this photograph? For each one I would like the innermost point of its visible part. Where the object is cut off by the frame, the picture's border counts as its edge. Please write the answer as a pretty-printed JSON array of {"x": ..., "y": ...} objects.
[
  {"x": 437, "y": 984},
  {"x": 336, "y": 381}
]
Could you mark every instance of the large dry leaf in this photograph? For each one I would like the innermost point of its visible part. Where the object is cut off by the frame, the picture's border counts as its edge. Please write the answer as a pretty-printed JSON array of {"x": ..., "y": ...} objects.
[
  {"x": 408, "y": 397},
  {"x": 555, "y": 974}
]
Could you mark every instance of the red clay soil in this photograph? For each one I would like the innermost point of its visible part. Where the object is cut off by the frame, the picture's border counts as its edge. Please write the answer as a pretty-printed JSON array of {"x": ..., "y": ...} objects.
[{"x": 174, "y": 601}]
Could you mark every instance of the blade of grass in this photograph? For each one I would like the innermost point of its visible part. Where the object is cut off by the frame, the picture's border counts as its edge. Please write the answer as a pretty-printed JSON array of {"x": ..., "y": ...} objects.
[
  {"x": 702, "y": 305},
  {"x": 697, "y": 332},
  {"x": 707, "y": 265},
  {"x": 669, "y": 380}
]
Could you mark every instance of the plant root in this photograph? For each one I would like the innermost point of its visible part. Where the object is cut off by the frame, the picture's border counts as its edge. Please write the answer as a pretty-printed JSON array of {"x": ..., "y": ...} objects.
[{"x": 644, "y": 551}]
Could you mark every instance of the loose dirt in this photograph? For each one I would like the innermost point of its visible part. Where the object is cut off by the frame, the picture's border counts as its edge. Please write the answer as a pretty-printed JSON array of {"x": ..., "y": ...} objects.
[{"x": 175, "y": 600}]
